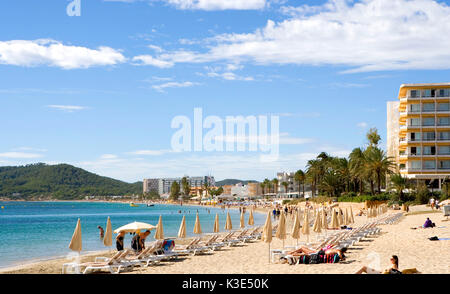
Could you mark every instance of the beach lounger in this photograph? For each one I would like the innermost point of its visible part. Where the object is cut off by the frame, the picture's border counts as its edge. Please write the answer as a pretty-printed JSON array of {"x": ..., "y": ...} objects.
[{"x": 115, "y": 265}]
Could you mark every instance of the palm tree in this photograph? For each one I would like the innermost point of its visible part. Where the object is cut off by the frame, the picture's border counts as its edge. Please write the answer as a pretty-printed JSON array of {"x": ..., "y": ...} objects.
[
  {"x": 379, "y": 164},
  {"x": 285, "y": 184},
  {"x": 331, "y": 183},
  {"x": 399, "y": 183},
  {"x": 267, "y": 184},
  {"x": 357, "y": 166},
  {"x": 300, "y": 178},
  {"x": 263, "y": 186},
  {"x": 313, "y": 173},
  {"x": 275, "y": 185}
]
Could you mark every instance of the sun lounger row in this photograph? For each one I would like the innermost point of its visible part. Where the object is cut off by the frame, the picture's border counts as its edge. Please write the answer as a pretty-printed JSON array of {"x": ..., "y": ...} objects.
[{"x": 126, "y": 260}]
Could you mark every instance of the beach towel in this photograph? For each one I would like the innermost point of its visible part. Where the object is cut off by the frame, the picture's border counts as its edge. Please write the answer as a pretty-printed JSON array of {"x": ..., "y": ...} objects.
[{"x": 444, "y": 239}]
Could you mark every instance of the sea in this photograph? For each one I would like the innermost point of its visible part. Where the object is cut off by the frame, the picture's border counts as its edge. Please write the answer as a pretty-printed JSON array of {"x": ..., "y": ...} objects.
[{"x": 36, "y": 231}]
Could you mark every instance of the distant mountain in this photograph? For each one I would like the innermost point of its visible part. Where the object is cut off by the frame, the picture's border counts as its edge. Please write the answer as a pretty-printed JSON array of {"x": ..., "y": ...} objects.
[
  {"x": 60, "y": 181},
  {"x": 233, "y": 182}
]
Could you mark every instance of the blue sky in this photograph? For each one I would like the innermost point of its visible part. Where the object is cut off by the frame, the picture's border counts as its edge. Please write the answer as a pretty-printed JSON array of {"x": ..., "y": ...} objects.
[{"x": 100, "y": 90}]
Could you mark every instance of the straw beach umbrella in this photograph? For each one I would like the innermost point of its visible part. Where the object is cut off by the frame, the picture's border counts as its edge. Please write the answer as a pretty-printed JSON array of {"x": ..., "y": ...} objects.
[
  {"x": 216, "y": 224},
  {"x": 295, "y": 234},
  {"x": 107, "y": 240},
  {"x": 317, "y": 224},
  {"x": 341, "y": 217},
  {"x": 251, "y": 220},
  {"x": 197, "y": 226},
  {"x": 182, "y": 230},
  {"x": 346, "y": 217},
  {"x": 305, "y": 229},
  {"x": 334, "y": 220},
  {"x": 267, "y": 231},
  {"x": 228, "y": 224},
  {"x": 242, "y": 223},
  {"x": 159, "y": 235},
  {"x": 281, "y": 230},
  {"x": 352, "y": 219},
  {"x": 75, "y": 243},
  {"x": 324, "y": 220}
]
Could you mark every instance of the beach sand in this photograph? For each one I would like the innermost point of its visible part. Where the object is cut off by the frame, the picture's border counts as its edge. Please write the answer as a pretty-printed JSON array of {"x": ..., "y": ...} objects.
[{"x": 411, "y": 246}]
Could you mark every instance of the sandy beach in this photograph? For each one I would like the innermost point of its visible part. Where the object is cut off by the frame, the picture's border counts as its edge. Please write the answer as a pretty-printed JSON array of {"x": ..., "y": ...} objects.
[{"x": 411, "y": 246}]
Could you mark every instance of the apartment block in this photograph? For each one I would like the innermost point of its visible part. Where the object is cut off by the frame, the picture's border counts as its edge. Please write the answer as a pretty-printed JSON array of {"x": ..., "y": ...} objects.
[{"x": 418, "y": 132}]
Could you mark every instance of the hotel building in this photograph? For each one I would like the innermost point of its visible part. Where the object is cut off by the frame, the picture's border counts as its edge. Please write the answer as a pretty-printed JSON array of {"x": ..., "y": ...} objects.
[
  {"x": 162, "y": 186},
  {"x": 418, "y": 131}
]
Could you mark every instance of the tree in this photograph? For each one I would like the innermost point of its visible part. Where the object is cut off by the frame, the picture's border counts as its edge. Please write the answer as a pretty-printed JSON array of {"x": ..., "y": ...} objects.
[
  {"x": 275, "y": 185},
  {"x": 186, "y": 186},
  {"x": 373, "y": 137},
  {"x": 174, "y": 191},
  {"x": 379, "y": 164},
  {"x": 400, "y": 184},
  {"x": 263, "y": 186},
  {"x": 358, "y": 167},
  {"x": 285, "y": 185},
  {"x": 300, "y": 178}
]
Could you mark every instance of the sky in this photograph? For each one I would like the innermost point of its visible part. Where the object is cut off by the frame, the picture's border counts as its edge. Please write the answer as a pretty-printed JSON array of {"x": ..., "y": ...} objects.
[{"x": 100, "y": 90}]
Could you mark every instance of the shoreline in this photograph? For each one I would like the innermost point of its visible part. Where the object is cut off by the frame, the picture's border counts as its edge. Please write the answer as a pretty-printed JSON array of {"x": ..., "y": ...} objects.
[{"x": 42, "y": 260}]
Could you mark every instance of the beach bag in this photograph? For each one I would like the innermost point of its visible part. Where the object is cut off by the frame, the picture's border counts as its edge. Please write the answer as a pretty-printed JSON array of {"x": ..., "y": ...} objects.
[{"x": 394, "y": 272}]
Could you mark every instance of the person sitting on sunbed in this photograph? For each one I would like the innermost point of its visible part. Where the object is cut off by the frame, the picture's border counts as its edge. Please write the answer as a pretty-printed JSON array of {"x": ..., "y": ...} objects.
[{"x": 393, "y": 270}]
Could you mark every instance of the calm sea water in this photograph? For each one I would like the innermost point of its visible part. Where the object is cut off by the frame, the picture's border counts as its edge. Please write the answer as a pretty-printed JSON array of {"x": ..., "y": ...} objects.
[{"x": 32, "y": 231}]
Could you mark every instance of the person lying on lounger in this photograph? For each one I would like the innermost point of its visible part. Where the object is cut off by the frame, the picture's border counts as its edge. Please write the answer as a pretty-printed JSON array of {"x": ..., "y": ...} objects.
[
  {"x": 392, "y": 270},
  {"x": 328, "y": 251}
]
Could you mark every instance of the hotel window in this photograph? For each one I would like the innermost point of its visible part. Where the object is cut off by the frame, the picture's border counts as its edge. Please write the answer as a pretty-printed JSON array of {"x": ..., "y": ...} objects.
[
  {"x": 428, "y": 107},
  {"x": 414, "y": 107},
  {"x": 415, "y": 136},
  {"x": 415, "y": 164},
  {"x": 415, "y": 150},
  {"x": 443, "y": 93},
  {"x": 428, "y": 136},
  {"x": 402, "y": 166},
  {"x": 429, "y": 150},
  {"x": 415, "y": 122},
  {"x": 414, "y": 93},
  {"x": 444, "y": 150},
  {"x": 429, "y": 164},
  {"x": 444, "y": 121},
  {"x": 443, "y": 107},
  {"x": 444, "y": 164},
  {"x": 428, "y": 121},
  {"x": 444, "y": 136},
  {"x": 426, "y": 93}
]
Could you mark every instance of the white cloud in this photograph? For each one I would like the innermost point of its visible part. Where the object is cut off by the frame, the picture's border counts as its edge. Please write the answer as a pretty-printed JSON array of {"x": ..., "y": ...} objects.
[
  {"x": 67, "y": 108},
  {"x": 18, "y": 155},
  {"x": 108, "y": 156},
  {"x": 218, "y": 4},
  {"x": 362, "y": 125},
  {"x": 53, "y": 53},
  {"x": 150, "y": 152},
  {"x": 161, "y": 87},
  {"x": 149, "y": 60},
  {"x": 368, "y": 35}
]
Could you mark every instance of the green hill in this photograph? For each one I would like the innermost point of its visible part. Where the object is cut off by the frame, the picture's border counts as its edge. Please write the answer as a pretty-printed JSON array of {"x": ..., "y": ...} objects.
[
  {"x": 60, "y": 181},
  {"x": 232, "y": 182}
]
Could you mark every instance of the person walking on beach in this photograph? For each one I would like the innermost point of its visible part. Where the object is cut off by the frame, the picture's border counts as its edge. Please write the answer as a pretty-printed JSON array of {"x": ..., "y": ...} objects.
[
  {"x": 119, "y": 241},
  {"x": 102, "y": 232},
  {"x": 135, "y": 242},
  {"x": 432, "y": 203}
]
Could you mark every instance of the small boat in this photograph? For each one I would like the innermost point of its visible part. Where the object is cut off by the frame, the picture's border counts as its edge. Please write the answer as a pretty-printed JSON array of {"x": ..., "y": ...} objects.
[
  {"x": 133, "y": 205},
  {"x": 150, "y": 205}
]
